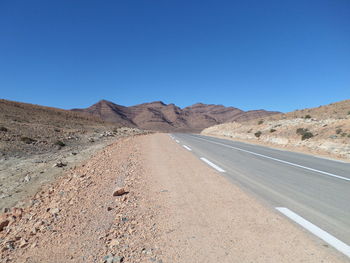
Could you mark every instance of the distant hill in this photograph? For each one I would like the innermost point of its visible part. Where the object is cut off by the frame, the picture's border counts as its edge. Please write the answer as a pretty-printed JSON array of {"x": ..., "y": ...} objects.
[
  {"x": 27, "y": 128},
  {"x": 169, "y": 117}
]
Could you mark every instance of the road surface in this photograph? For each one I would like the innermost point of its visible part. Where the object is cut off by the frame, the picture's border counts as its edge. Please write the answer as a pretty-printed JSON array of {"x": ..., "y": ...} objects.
[{"x": 315, "y": 189}]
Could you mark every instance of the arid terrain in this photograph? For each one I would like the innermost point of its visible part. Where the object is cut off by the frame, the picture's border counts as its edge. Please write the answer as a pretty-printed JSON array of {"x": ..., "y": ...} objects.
[
  {"x": 37, "y": 142},
  {"x": 147, "y": 199},
  {"x": 76, "y": 188},
  {"x": 159, "y": 116},
  {"x": 324, "y": 130}
]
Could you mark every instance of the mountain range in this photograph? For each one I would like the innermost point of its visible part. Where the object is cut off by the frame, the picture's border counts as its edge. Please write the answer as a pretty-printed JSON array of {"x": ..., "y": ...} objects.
[{"x": 159, "y": 116}]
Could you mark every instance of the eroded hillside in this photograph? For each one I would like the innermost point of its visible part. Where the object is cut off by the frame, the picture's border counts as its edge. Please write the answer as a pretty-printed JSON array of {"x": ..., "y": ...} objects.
[{"x": 323, "y": 130}]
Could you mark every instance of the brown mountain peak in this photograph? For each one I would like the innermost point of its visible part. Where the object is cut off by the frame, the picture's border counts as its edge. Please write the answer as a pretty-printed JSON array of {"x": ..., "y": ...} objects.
[{"x": 157, "y": 115}]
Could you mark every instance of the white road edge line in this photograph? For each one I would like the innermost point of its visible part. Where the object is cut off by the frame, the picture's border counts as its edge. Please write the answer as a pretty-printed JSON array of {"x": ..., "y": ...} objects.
[
  {"x": 328, "y": 238},
  {"x": 213, "y": 165},
  {"x": 177, "y": 141},
  {"x": 278, "y": 160},
  {"x": 186, "y": 147}
]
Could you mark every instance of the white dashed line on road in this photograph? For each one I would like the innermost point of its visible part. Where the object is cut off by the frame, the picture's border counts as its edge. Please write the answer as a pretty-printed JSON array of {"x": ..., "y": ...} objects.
[
  {"x": 213, "y": 165},
  {"x": 328, "y": 238},
  {"x": 187, "y": 148}
]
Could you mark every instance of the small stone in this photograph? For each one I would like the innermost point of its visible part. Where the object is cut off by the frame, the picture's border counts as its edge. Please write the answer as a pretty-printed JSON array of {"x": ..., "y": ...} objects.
[
  {"x": 17, "y": 212},
  {"x": 23, "y": 243},
  {"x": 10, "y": 245},
  {"x": 114, "y": 242},
  {"x": 109, "y": 208},
  {"x": 27, "y": 178},
  {"x": 59, "y": 164},
  {"x": 4, "y": 223},
  {"x": 119, "y": 192},
  {"x": 35, "y": 244},
  {"x": 54, "y": 211},
  {"x": 112, "y": 259}
]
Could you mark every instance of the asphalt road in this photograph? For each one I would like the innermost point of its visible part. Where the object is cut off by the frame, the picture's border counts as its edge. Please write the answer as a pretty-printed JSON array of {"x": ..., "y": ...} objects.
[{"x": 315, "y": 188}]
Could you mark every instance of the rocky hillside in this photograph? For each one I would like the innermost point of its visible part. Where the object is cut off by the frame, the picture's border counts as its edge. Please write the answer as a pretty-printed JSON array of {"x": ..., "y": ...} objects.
[
  {"x": 169, "y": 117},
  {"x": 323, "y": 130},
  {"x": 27, "y": 128}
]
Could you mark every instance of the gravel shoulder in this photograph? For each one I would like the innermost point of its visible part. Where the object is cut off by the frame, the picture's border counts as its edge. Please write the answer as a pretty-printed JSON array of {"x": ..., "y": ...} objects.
[{"x": 174, "y": 209}]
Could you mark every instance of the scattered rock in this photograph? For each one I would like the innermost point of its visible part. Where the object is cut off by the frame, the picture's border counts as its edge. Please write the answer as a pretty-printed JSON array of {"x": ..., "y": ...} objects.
[
  {"x": 119, "y": 191},
  {"x": 6, "y": 210},
  {"x": 112, "y": 259},
  {"x": 54, "y": 211},
  {"x": 114, "y": 242},
  {"x": 17, "y": 212},
  {"x": 27, "y": 178},
  {"x": 10, "y": 245},
  {"x": 4, "y": 222},
  {"x": 23, "y": 243},
  {"x": 59, "y": 164}
]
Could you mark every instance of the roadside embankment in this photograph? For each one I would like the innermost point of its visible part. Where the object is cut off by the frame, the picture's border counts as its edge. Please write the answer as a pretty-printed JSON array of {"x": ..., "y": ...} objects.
[{"x": 326, "y": 137}]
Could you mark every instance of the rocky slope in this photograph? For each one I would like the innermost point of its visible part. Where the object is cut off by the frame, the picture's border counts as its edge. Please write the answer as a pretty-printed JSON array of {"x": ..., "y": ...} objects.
[
  {"x": 169, "y": 117},
  {"x": 322, "y": 130},
  {"x": 27, "y": 129}
]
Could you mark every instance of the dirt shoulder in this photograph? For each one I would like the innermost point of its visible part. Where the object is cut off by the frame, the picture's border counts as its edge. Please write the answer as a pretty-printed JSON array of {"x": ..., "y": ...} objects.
[
  {"x": 176, "y": 209},
  {"x": 22, "y": 176},
  {"x": 78, "y": 218}
]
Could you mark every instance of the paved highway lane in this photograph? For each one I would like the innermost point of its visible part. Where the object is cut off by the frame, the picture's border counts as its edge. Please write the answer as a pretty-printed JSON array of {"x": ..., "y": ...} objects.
[{"x": 316, "y": 189}]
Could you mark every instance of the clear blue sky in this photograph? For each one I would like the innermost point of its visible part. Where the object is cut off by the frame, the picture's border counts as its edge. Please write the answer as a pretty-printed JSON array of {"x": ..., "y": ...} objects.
[{"x": 271, "y": 54}]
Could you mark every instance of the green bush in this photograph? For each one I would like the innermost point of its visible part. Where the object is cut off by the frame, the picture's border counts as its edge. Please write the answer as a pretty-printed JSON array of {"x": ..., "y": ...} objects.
[
  {"x": 301, "y": 131},
  {"x": 258, "y": 134},
  {"x": 307, "y": 135},
  {"x": 60, "y": 143},
  {"x": 272, "y": 130},
  {"x": 307, "y": 116},
  {"x": 27, "y": 140},
  {"x": 261, "y": 122},
  {"x": 349, "y": 112},
  {"x": 338, "y": 131},
  {"x": 4, "y": 129},
  {"x": 343, "y": 134}
]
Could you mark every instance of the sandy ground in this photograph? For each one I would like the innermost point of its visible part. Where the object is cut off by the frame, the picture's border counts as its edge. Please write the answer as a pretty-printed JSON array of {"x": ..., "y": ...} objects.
[{"x": 177, "y": 209}]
